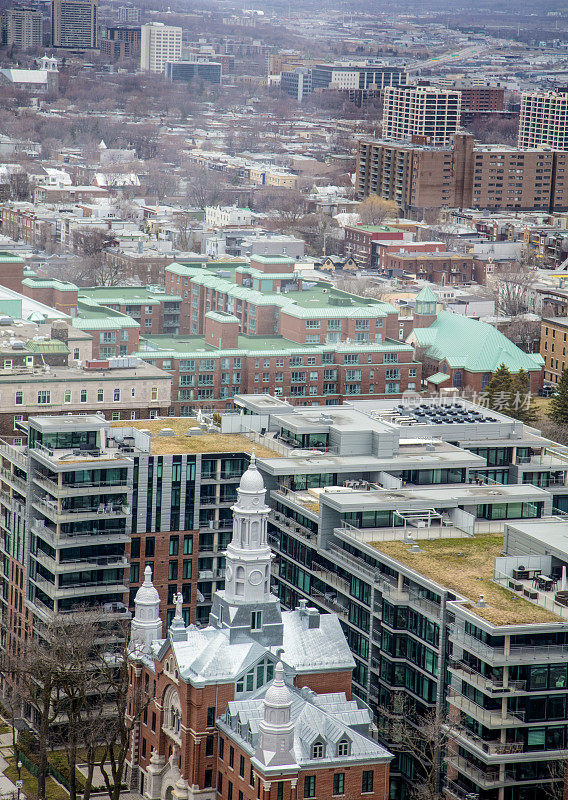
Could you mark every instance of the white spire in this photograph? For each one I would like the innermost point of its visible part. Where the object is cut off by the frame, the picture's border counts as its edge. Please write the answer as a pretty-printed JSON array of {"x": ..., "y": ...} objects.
[
  {"x": 276, "y": 730},
  {"x": 249, "y": 555},
  {"x": 146, "y": 624}
]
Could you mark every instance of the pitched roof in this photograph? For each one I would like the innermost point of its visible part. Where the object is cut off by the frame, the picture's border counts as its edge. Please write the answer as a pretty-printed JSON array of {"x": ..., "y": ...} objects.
[
  {"x": 472, "y": 345},
  {"x": 426, "y": 295}
]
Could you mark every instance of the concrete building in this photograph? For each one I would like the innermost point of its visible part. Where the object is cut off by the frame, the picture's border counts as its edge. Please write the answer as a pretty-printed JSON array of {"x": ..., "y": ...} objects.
[
  {"x": 421, "y": 111},
  {"x": 74, "y": 24},
  {"x": 297, "y": 83},
  {"x": 426, "y": 593},
  {"x": 129, "y": 14},
  {"x": 208, "y": 71},
  {"x": 220, "y": 216},
  {"x": 354, "y": 75},
  {"x": 159, "y": 45},
  {"x": 543, "y": 119},
  {"x": 463, "y": 175},
  {"x": 22, "y": 27}
]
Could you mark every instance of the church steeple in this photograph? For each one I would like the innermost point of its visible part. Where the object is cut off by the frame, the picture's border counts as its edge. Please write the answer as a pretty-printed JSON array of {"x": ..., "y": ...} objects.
[
  {"x": 146, "y": 624},
  {"x": 246, "y": 607},
  {"x": 248, "y": 556}
]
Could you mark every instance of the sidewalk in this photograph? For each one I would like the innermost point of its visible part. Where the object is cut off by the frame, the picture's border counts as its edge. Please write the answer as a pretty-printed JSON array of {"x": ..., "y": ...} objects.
[{"x": 6, "y": 785}]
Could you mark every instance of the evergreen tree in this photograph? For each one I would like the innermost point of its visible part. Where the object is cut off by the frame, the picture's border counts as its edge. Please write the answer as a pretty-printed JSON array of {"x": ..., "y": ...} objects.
[
  {"x": 558, "y": 408},
  {"x": 522, "y": 404},
  {"x": 500, "y": 392}
]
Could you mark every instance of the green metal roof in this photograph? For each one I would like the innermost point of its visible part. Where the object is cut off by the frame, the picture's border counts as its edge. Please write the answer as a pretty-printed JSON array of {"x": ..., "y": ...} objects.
[
  {"x": 273, "y": 259},
  {"x": 438, "y": 378},
  {"x": 195, "y": 347},
  {"x": 7, "y": 256},
  {"x": 126, "y": 295},
  {"x": 93, "y": 317},
  {"x": 472, "y": 345},
  {"x": 47, "y": 346},
  {"x": 221, "y": 316},
  {"x": 426, "y": 295},
  {"x": 50, "y": 283}
]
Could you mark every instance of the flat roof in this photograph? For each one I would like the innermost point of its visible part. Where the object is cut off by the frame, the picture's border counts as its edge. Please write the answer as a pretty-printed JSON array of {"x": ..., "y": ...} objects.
[
  {"x": 204, "y": 443},
  {"x": 465, "y": 566}
]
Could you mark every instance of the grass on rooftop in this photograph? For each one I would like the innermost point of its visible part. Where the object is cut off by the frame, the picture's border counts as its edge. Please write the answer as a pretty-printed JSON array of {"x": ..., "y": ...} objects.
[
  {"x": 198, "y": 443},
  {"x": 470, "y": 575}
]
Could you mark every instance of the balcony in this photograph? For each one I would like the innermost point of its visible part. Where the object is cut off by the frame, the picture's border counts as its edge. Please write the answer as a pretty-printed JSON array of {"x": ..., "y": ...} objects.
[
  {"x": 491, "y": 747},
  {"x": 53, "y": 510},
  {"x": 454, "y": 791},
  {"x": 56, "y": 539},
  {"x": 486, "y": 778},
  {"x": 14, "y": 480},
  {"x": 293, "y": 527},
  {"x": 329, "y": 600},
  {"x": 78, "y": 489},
  {"x": 485, "y": 683},
  {"x": 491, "y": 718},
  {"x": 94, "y": 562},
  {"x": 515, "y": 655}
]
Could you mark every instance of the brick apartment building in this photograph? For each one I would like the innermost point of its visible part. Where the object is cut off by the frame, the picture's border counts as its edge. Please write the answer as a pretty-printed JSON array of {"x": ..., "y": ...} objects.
[
  {"x": 21, "y": 221},
  {"x": 360, "y": 241},
  {"x": 482, "y": 98},
  {"x": 261, "y": 711},
  {"x": 147, "y": 266},
  {"x": 60, "y": 295},
  {"x": 554, "y": 346},
  {"x": 463, "y": 175},
  {"x": 382, "y": 249},
  {"x": 442, "y": 268}
]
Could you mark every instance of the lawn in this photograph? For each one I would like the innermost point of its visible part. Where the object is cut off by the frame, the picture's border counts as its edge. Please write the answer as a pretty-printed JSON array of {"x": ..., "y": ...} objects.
[
  {"x": 53, "y": 790},
  {"x": 465, "y": 566}
]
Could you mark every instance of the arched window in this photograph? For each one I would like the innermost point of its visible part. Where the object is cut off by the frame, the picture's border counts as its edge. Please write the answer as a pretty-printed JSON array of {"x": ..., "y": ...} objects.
[
  {"x": 172, "y": 711},
  {"x": 343, "y": 747},
  {"x": 318, "y": 750}
]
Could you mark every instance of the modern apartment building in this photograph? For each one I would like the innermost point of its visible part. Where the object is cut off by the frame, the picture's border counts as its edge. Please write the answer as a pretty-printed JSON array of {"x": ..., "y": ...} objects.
[
  {"x": 301, "y": 80},
  {"x": 462, "y": 175},
  {"x": 419, "y": 531},
  {"x": 208, "y": 71},
  {"x": 421, "y": 111},
  {"x": 159, "y": 44},
  {"x": 74, "y": 24},
  {"x": 22, "y": 27},
  {"x": 121, "y": 42},
  {"x": 543, "y": 120},
  {"x": 481, "y": 98},
  {"x": 129, "y": 14}
]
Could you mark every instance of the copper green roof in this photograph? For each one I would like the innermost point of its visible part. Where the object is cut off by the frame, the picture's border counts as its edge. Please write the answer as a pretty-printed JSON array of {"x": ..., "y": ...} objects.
[
  {"x": 6, "y": 256},
  {"x": 50, "y": 283},
  {"x": 426, "y": 295},
  {"x": 93, "y": 317},
  {"x": 47, "y": 346},
  {"x": 438, "y": 378},
  {"x": 472, "y": 345}
]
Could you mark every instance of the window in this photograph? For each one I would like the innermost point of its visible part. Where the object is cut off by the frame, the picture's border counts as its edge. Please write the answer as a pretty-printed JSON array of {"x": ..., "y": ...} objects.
[
  {"x": 18, "y": 418},
  {"x": 318, "y": 750},
  {"x": 19, "y": 398},
  {"x": 188, "y": 545},
  {"x": 211, "y": 722},
  {"x": 67, "y": 396},
  {"x": 242, "y": 766},
  {"x": 391, "y": 358},
  {"x": 76, "y": 354},
  {"x": 150, "y": 547},
  {"x": 209, "y": 742},
  {"x": 116, "y": 396},
  {"x": 313, "y": 323},
  {"x": 339, "y": 783},
  {"x": 221, "y": 745},
  {"x": 343, "y": 748},
  {"x": 174, "y": 545},
  {"x": 43, "y": 397},
  {"x": 154, "y": 393},
  {"x": 100, "y": 395},
  {"x": 256, "y": 621},
  {"x": 367, "y": 781},
  {"x": 220, "y": 782},
  {"x": 232, "y": 757},
  {"x": 172, "y": 570},
  {"x": 229, "y": 790},
  {"x": 310, "y": 786},
  {"x": 351, "y": 358}
]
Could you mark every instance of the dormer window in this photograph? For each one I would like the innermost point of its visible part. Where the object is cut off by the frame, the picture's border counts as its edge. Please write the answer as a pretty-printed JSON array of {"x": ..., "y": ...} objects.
[
  {"x": 318, "y": 750},
  {"x": 343, "y": 748}
]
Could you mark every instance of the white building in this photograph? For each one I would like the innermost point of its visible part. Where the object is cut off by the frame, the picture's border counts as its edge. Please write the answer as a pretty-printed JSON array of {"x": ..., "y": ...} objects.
[
  {"x": 159, "y": 44},
  {"x": 219, "y": 216},
  {"x": 543, "y": 120},
  {"x": 421, "y": 111}
]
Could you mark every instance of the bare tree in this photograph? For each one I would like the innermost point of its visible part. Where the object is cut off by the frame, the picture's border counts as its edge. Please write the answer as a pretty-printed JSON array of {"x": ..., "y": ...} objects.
[
  {"x": 511, "y": 288},
  {"x": 374, "y": 210}
]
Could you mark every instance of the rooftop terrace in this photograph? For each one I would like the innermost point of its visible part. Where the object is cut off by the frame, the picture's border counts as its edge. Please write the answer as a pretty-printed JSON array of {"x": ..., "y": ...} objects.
[
  {"x": 180, "y": 442},
  {"x": 465, "y": 566}
]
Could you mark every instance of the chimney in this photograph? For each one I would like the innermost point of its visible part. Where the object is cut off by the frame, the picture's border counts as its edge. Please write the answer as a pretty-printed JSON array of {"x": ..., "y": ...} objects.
[
  {"x": 60, "y": 331},
  {"x": 221, "y": 330}
]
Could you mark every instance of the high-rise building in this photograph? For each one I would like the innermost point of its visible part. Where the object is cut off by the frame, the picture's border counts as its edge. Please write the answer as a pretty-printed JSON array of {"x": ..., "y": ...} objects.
[
  {"x": 543, "y": 119},
  {"x": 462, "y": 174},
  {"x": 421, "y": 111},
  {"x": 129, "y": 14},
  {"x": 22, "y": 27},
  {"x": 74, "y": 24},
  {"x": 159, "y": 44},
  {"x": 120, "y": 42}
]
